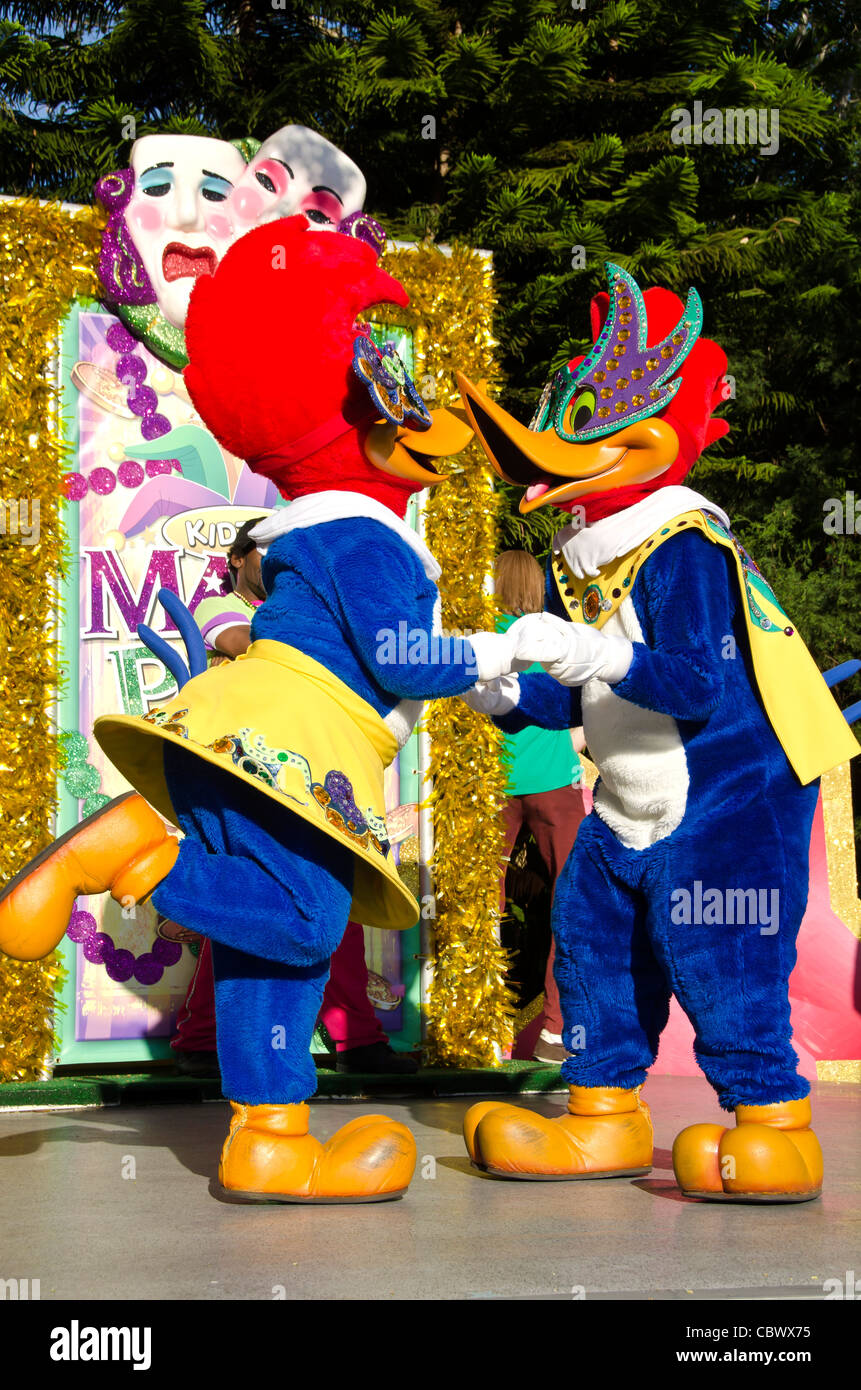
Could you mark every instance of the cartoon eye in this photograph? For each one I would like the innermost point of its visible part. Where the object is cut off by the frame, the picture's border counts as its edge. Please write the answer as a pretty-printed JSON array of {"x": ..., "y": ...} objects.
[
  {"x": 156, "y": 182},
  {"x": 216, "y": 190},
  {"x": 315, "y": 215},
  {"x": 265, "y": 182},
  {"x": 579, "y": 411}
]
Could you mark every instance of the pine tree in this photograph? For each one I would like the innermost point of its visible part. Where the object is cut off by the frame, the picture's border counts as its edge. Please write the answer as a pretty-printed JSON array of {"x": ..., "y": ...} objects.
[{"x": 542, "y": 133}]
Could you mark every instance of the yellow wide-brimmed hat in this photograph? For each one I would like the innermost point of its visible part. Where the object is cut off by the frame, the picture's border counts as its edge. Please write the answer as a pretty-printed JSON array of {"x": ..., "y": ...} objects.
[{"x": 288, "y": 727}]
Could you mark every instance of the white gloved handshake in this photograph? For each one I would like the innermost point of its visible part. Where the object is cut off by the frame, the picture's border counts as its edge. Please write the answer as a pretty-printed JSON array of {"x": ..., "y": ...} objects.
[
  {"x": 497, "y": 691},
  {"x": 496, "y": 697},
  {"x": 569, "y": 652}
]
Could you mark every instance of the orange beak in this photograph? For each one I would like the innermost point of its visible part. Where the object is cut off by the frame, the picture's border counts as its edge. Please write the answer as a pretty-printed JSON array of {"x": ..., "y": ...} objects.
[
  {"x": 554, "y": 471},
  {"x": 409, "y": 453}
]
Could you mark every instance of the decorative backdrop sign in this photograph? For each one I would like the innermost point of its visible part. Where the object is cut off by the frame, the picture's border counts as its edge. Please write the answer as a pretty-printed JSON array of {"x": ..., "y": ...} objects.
[
  {"x": 450, "y": 321},
  {"x": 141, "y": 515}
]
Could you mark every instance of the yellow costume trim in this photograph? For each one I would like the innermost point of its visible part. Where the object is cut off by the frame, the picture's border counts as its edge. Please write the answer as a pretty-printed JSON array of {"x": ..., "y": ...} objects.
[
  {"x": 288, "y": 727},
  {"x": 801, "y": 709}
]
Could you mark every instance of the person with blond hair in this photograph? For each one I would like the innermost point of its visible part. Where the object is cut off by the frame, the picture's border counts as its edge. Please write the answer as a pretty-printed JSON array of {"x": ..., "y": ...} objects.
[{"x": 545, "y": 788}]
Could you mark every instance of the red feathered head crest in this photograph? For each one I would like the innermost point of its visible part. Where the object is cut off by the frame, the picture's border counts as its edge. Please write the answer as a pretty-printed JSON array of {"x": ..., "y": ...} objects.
[{"x": 270, "y": 339}]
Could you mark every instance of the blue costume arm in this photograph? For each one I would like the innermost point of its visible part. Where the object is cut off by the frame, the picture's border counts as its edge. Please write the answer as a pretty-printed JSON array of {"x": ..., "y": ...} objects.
[
  {"x": 545, "y": 703},
  {"x": 389, "y": 620},
  {"x": 685, "y": 598}
]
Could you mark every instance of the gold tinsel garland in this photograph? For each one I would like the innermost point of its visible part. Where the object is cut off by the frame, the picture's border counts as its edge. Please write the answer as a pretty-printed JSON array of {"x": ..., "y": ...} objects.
[
  {"x": 47, "y": 257},
  {"x": 470, "y": 1009}
]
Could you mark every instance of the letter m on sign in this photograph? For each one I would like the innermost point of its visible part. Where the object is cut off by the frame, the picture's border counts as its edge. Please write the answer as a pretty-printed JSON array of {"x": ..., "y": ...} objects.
[{"x": 107, "y": 574}]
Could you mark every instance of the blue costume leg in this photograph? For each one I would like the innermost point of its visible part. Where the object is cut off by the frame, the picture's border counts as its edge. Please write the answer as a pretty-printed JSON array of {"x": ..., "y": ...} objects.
[
  {"x": 275, "y": 901},
  {"x": 610, "y": 985},
  {"x": 250, "y": 873},
  {"x": 265, "y": 1015},
  {"x": 731, "y": 977}
]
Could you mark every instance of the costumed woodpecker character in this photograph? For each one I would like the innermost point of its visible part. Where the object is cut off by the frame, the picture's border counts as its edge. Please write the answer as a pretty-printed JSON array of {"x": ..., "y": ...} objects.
[
  {"x": 272, "y": 765},
  {"x": 710, "y": 725}
]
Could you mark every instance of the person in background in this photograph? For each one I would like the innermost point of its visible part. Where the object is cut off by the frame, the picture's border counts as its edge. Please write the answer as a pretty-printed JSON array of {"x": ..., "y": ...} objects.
[
  {"x": 361, "y": 1043},
  {"x": 225, "y": 619},
  {"x": 545, "y": 789}
]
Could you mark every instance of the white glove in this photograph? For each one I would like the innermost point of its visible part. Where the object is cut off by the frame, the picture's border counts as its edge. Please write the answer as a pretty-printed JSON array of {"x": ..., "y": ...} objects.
[
  {"x": 498, "y": 696},
  {"x": 540, "y": 637},
  {"x": 571, "y": 652},
  {"x": 495, "y": 654}
]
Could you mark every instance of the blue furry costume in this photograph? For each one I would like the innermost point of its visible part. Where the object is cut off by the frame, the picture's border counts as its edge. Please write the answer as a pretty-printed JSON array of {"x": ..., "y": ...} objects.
[
  {"x": 273, "y": 764},
  {"x": 743, "y": 823},
  {"x": 272, "y": 892},
  {"x": 710, "y": 726}
]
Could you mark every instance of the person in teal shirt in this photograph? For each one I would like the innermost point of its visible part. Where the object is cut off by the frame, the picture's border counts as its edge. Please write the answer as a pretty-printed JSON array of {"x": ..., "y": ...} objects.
[{"x": 545, "y": 788}]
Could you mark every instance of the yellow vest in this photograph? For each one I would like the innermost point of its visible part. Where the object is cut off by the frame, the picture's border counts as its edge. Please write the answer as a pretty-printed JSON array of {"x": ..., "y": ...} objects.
[{"x": 801, "y": 709}]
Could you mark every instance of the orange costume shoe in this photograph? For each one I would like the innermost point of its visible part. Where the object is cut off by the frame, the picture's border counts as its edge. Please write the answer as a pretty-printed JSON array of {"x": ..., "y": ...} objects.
[
  {"x": 606, "y": 1134},
  {"x": 772, "y": 1155},
  {"x": 123, "y": 849},
  {"x": 269, "y": 1156}
]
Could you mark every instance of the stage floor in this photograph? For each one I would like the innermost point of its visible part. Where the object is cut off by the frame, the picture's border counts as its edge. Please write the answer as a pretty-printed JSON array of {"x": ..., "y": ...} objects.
[{"x": 70, "y": 1218}]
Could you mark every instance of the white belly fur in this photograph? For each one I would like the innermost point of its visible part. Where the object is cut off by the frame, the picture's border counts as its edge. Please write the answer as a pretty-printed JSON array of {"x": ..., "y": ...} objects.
[{"x": 639, "y": 753}]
